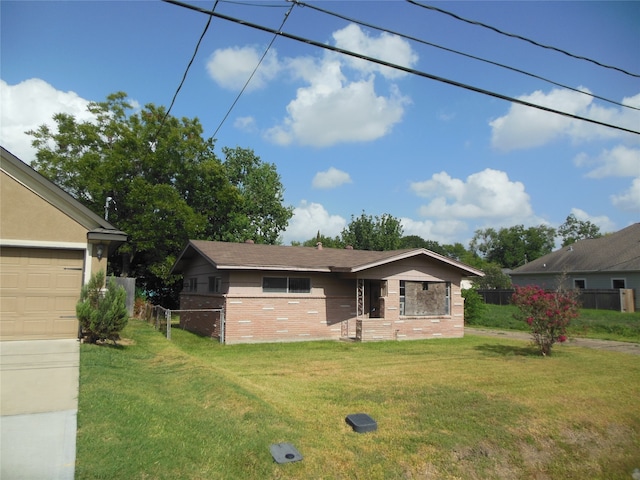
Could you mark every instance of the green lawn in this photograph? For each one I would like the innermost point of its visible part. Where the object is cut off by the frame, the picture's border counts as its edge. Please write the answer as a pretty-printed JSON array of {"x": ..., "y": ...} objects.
[
  {"x": 465, "y": 408},
  {"x": 603, "y": 324}
]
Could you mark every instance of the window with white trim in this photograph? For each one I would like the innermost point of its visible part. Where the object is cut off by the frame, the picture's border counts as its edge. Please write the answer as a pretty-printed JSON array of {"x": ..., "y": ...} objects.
[
  {"x": 286, "y": 285},
  {"x": 580, "y": 283},
  {"x": 618, "y": 283}
]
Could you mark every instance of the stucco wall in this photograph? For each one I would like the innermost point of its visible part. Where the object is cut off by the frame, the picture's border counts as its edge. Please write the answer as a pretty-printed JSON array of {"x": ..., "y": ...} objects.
[{"x": 24, "y": 215}]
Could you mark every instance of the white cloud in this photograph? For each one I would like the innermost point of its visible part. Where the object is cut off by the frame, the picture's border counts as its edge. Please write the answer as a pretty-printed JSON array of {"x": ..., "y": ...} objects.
[
  {"x": 247, "y": 124},
  {"x": 308, "y": 219},
  {"x": 630, "y": 199},
  {"x": 330, "y": 108},
  {"x": 386, "y": 47},
  {"x": 488, "y": 195},
  {"x": 29, "y": 104},
  {"x": 231, "y": 67},
  {"x": 332, "y": 111},
  {"x": 332, "y": 178},
  {"x": 620, "y": 161},
  {"x": 441, "y": 231},
  {"x": 526, "y": 127}
]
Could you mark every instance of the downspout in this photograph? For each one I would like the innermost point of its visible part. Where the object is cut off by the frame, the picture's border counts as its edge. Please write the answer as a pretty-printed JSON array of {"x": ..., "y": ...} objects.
[{"x": 222, "y": 323}]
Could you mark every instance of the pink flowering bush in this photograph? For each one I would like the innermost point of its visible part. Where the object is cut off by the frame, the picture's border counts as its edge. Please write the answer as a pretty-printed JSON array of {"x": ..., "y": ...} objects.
[{"x": 547, "y": 313}]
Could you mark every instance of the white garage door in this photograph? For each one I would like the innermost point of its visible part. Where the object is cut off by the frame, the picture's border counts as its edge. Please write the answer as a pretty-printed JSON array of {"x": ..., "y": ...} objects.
[{"x": 39, "y": 289}]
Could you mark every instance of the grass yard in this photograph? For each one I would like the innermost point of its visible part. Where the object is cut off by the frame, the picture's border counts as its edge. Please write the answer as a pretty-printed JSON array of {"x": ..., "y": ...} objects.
[
  {"x": 603, "y": 324},
  {"x": 472, "y": 408}
]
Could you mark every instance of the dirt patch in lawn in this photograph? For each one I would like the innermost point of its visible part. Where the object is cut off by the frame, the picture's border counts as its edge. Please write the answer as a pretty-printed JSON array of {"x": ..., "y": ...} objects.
[{"x": 610, "y": 345}]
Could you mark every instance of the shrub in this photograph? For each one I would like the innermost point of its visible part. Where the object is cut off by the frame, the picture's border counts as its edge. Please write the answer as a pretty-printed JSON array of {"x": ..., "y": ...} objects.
[
  {"x": 547, "y": 313},
  {"x": 102, "y": 312},
  {"x": 474, "y": 306}
]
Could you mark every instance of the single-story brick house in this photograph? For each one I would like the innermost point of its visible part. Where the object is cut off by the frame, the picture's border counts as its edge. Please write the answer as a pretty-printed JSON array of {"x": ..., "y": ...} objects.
[
  {"x": 608, "y": 262},
  {"x": 271, "y": 293}
]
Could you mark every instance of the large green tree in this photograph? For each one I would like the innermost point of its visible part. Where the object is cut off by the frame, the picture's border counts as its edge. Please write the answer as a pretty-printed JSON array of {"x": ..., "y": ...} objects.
[
  {"x": 513, "y": 246},
  {"x": 262, "y": 215},
  {"x": 373, "y": 233},
  {"x": 573, "y": 230},
  {"x": 164, "y": 183}
]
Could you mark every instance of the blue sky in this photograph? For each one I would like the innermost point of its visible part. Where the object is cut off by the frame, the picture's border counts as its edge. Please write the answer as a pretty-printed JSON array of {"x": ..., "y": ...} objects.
[{"x": 347, "y": 136}]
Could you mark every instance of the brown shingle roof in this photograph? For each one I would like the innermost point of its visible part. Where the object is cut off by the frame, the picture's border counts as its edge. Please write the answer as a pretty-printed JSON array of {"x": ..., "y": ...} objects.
[
  {"x": 225, "y": 255},
  {"x": 619, "y": 251}
]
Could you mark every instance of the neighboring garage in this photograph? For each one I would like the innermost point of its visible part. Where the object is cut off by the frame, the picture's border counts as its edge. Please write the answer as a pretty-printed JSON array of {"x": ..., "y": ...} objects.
[
  {"x": 39, "y": 290},
  {"x": 50, "y": 245}
]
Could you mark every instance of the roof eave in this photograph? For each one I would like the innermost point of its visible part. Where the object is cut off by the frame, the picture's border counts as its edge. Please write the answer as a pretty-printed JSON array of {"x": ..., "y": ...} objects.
[
  {"x": 282, "y": 268},
  {"x": 50, "y": 192}
]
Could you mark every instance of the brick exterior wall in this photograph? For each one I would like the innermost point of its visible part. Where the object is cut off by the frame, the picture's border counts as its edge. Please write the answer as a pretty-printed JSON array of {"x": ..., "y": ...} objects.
[
  {"x": 328, "y": 312},
  {"x": 291, "y": 318},
  {"x": 203, "y": 323},
  {"x": 286, "y": 318},
  {"x": 396, "y": 327}
]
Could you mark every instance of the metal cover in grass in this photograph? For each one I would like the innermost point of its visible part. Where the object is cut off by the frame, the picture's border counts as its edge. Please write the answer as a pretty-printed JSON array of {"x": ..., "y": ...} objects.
[
  {"x": 361, "y": 422},
  {"x": 285, "y": 453}
]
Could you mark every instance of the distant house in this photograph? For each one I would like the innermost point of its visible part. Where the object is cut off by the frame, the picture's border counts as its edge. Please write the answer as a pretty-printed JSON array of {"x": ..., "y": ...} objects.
[
  {"x": 50, "y": 245},
  {"x": 609, "y": 262},
  {"x": 274, "y": 293}
]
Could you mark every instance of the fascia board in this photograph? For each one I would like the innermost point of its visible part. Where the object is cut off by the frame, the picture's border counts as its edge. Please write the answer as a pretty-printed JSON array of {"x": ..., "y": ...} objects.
[
  {"x": 465, "y": 268},
  {"x": 272, "y": 268}
]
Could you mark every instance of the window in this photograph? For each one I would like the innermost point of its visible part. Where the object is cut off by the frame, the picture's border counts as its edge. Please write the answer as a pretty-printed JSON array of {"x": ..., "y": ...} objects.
[
  {"x": 193, "y": 285},
  {"x": 618, "y": 283},
  {"x": 215, "y": 284},
  {"x": 299, "y": 285},
  {"x": 425, "y": 298},
  {"x": 286, "y": 285},
  {"x": 579, "y": 283}
]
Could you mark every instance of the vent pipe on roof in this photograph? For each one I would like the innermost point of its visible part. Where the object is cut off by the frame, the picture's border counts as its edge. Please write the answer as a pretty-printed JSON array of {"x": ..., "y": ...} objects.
[{"x": 319, "y": 245}]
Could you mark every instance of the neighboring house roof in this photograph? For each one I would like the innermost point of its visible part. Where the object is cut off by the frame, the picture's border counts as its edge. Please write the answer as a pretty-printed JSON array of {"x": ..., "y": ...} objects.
[
  {"x": 98, "y": 228},
  {"x": 250, "y": 256},
  {"x": 615, "y": 252}
]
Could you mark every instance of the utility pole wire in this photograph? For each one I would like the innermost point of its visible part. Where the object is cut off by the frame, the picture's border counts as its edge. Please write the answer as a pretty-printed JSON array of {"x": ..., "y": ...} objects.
[
  {"x": 184, "y": 77},
  {"x": 286, "y": 15},
  {"x": 450, "y": 50},
  {"x": 397, "y": 67},
  {"x": 519, "y": 37}
]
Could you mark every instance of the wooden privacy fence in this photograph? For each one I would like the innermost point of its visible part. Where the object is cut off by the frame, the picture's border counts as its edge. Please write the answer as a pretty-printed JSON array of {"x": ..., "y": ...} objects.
[{"x": 598, "y": 299}]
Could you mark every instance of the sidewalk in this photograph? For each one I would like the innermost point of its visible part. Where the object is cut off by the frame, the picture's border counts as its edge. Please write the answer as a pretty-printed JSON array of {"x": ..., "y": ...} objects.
[
  {"x": 610, "y": 345},
  {"x": 38, "y": 405}
]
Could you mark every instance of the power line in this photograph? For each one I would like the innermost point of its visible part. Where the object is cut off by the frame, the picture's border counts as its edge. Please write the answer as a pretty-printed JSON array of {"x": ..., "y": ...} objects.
[
  {"x": 184, "y": 76},
  {"x": 286, "y": 15},
  {"x": 251, "y": 4},
  {"x": 424, "y": 42},
  {"x": 519, "y": 37},
  {"x": 397, "y": 67}
]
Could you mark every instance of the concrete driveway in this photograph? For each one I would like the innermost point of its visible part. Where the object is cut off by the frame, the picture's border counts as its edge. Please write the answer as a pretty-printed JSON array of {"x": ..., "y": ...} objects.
[
  {"x": 38, "y": 406},
  {"x": 610, "y": 345}
]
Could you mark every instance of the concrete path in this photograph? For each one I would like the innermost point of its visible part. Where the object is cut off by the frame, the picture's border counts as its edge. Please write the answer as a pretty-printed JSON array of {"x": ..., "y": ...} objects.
[
  {"x": 610, "y": 345},
  {"x": 38, "y": 406}
]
